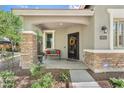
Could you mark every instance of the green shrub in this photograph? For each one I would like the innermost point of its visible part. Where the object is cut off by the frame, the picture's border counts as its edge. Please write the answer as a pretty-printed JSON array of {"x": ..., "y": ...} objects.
[
  {"x": 36, "y": 85},
  {"x": 45, "y": 82},
  {"x": 36, "y": 70},
  {"x": 8, "y": 79},
  {"x": 118, "y": 83},
  {"x": 64, "y": 76}
]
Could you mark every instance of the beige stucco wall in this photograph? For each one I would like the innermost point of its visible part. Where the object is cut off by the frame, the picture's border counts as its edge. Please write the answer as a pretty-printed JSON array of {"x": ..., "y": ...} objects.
[
  {"x": 83, "y": 25},
  {"x": 29, "y": 21},
  {"x": 89, "y": 35},
  {"x": 101, "y": 17},
  {"x": 79, "y": 29},
  {"x": 53, "y": 12},
  {"x": 60, "y": 41},
  {"x": 94, "y": 23},
  {"x": 85, "y": 39}
]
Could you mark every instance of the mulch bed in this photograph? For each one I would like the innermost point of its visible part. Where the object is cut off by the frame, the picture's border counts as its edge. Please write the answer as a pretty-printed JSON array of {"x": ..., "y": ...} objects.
[
  {"x": 103, "y": 78},
  {"x": 56, "y": 73},
  {"x": 24, "y": 79}
]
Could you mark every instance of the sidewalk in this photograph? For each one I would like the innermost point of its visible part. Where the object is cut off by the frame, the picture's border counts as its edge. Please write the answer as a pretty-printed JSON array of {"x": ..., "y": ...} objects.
[{"x": 82, "y": 79}]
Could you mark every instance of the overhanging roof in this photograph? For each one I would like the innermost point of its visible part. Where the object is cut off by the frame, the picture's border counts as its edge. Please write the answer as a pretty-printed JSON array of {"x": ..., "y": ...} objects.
[{"x": 51, "y": 12}]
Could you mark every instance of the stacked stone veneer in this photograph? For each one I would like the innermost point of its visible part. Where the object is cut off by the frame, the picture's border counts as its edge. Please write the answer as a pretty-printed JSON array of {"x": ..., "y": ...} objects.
[
  {"x": 28, "y": 49},
  {"x": 104, "y": 62}
]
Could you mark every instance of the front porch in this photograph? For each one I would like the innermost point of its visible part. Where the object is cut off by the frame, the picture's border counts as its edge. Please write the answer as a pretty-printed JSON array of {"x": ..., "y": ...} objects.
[
  {"x": 63, "y": 64},
  {"x": 72, "y": 34}
]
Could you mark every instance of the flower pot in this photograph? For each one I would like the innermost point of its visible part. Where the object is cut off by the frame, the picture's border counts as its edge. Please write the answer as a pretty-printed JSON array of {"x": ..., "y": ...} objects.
[{"x": 67, "y": 84}]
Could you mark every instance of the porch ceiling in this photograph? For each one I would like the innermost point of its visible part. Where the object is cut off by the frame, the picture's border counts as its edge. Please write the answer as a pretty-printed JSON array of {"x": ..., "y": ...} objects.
[{"x": 56, "y": 25}]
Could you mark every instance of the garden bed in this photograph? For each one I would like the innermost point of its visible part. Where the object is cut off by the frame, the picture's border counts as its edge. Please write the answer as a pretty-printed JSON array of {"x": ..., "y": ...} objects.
[
  {"x": 56, "y": 73},
  {"x": 103, "y": 78},
  {"x": 24, "y": 79}
]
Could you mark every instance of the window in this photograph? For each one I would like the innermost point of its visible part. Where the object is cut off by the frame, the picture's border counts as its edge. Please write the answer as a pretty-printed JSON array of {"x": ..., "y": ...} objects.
[
  {"x": 118, "y": 35},
  {"x": 48, "y": 40}
]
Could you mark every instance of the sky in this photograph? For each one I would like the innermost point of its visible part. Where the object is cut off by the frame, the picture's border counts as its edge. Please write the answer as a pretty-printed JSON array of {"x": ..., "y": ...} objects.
[{"x": 9, "y": 7}]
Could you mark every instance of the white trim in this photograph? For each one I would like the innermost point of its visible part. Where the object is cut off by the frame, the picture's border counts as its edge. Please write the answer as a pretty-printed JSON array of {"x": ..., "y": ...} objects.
[
  {"x": 28, "y": 32},
  {"x": 39, "y": 12},
  {"x": 111, "y": 33},
  {"x": 104, "y": 51},
  {"x": 117, "y": 13},
  {"x": 44, "y": 38},
  {"x": 114, "y": 13}
]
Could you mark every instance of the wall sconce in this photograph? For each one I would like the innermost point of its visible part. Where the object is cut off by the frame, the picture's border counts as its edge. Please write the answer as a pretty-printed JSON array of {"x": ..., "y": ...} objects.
[{"x": 104, "y": 29}]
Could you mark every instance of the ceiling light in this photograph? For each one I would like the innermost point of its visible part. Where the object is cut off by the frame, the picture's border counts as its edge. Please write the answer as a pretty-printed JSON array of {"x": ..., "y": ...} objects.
[{"x": 60, "y": 24}]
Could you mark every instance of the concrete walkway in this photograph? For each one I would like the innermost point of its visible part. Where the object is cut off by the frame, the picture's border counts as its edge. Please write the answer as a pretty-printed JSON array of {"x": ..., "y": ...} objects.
[
  {"x": 82, "y": 79},
  {"x": 64, "y": 64},
  {"x": 79, "y": 76}
]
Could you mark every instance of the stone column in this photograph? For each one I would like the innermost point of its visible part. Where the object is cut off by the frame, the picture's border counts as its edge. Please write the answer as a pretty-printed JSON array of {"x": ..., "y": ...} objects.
[{"x": 28, "y": 49}]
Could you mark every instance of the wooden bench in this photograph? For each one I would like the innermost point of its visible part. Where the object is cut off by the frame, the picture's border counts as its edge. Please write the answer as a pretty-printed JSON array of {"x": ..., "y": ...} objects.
[{"x": 53, "y": 52}]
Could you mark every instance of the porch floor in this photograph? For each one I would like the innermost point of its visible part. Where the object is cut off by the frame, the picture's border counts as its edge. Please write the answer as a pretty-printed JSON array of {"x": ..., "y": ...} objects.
[{"x": 63, "y": 64}]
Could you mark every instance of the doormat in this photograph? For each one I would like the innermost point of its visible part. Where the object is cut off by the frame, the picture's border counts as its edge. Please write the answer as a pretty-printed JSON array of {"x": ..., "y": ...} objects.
[{"x": 72, "y": 60}]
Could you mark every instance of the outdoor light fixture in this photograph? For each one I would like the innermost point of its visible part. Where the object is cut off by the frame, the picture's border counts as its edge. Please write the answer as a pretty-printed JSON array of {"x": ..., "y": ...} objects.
[{"x": 104, "y": 29}]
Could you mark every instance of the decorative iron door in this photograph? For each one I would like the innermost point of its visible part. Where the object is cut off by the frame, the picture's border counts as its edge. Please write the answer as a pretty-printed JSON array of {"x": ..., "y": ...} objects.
[{"x": 73, "y": 45}]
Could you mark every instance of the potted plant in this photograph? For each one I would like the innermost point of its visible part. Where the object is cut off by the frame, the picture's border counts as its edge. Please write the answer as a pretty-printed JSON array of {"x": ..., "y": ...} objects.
[{"x": 40, "y": 56}]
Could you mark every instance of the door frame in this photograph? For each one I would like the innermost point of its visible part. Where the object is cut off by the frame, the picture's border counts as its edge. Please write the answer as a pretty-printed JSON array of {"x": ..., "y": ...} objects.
[
  {"x": 44, "y": 38},
  {"x": 78, "y": 58}
]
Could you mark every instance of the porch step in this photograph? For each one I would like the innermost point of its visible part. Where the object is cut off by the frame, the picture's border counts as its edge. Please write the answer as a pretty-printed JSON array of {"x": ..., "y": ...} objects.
[
  {"x": 63, "y": 64},
  {"x": 85, "y": 85}
]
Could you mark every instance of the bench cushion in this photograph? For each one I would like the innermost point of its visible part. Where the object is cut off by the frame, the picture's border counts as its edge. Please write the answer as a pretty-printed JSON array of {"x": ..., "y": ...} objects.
[
  {"x": 58, "y": 52},
  {"x": 47, "y": 52},
  {"x": 52, "y": 51}
]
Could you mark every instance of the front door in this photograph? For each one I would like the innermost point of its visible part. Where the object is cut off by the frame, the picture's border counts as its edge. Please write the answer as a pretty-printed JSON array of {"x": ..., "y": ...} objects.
[{"x": 73, "y": 45}]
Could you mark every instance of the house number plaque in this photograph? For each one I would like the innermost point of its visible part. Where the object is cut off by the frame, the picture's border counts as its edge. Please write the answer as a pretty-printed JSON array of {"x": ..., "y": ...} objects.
[{"x": 103, "y": 37}]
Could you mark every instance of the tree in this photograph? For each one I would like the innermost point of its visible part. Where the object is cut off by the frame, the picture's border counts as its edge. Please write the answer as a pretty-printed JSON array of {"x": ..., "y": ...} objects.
[{"x": 10, "y": 26}]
